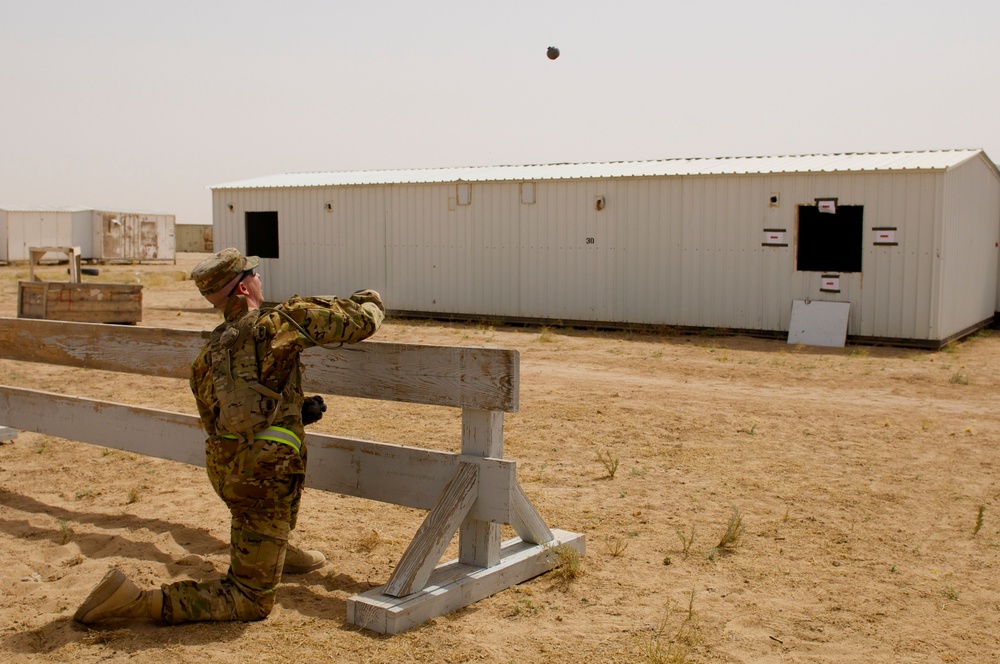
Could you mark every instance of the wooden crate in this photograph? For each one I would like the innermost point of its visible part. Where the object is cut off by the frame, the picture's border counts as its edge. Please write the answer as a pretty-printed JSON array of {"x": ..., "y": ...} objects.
[{"x": 80, "y": 302}]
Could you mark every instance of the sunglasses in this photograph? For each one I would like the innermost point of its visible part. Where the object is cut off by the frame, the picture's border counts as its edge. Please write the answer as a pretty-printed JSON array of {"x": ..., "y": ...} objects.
[{"x": 248, "y": 273}]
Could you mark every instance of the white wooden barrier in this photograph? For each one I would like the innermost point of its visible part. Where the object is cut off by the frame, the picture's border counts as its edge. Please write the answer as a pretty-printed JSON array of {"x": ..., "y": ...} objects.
[{"x": 472, "y": 493}]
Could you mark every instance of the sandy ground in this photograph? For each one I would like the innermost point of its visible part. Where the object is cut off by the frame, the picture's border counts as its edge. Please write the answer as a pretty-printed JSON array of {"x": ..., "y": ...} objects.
[{"x": 865, "y": 480}]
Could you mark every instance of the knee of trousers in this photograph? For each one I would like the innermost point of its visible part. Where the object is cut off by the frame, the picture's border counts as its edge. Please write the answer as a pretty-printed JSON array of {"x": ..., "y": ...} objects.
[
  {"x": 253, "y": 606},
  {"x": 255, "y": 562}
]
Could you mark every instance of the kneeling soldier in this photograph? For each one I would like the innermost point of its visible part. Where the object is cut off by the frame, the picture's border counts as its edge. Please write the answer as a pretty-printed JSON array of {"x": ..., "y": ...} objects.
[{"x": 247, "y": 382}]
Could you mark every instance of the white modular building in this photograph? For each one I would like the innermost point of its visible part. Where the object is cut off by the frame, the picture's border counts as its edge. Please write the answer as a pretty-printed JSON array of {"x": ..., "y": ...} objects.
[
  {"x": 908, "y": 239},
  {"x": 102, "y": 235}
]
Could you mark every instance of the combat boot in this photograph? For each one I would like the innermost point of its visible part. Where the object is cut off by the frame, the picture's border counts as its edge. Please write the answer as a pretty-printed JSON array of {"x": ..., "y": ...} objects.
[
  {"x": 298, "y": 561},
  {"x": 117, "y": 597}
]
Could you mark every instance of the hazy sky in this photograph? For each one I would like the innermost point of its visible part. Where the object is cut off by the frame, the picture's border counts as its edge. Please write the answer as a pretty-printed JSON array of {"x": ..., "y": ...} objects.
[{"x": 138, "y": 104}]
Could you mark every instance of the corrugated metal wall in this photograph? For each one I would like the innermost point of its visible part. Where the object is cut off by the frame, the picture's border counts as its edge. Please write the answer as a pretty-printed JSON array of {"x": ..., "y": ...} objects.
[
  {"x": 663, "y": 250},
  {"x": 969, "y": 247},
  {"x": 4, "y": 250},
  {"x": 687, "y": 251},
  {"x": 37, "y": 229},
  {"x": 893, "y": 296},
  {"x": 428, "y": 249},
  {"x": 322, "y": 252}
]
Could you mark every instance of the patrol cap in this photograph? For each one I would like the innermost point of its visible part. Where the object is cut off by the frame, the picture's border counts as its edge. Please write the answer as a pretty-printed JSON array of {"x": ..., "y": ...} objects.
[{"x": 212, "y": 274}]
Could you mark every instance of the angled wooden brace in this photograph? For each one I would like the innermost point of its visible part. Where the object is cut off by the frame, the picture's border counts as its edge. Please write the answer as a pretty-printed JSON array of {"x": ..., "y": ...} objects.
[
  {"x": 528, "y": 523},
  {"x": 435, "y": 533}
]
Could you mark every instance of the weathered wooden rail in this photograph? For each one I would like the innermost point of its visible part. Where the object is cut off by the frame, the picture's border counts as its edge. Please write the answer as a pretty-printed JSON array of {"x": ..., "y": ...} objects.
[{"x": 472, "y": 493}]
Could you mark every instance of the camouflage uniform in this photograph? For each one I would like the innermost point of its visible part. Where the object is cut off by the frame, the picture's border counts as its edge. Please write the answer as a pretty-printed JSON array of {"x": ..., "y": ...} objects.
[{"x": 261, "y": 480}]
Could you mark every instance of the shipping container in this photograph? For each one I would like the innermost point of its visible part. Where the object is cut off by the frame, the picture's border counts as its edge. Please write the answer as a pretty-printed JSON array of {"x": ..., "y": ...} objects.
[
  {"x": 195, "y": 238},
  {"x": 21, "y": 228}
]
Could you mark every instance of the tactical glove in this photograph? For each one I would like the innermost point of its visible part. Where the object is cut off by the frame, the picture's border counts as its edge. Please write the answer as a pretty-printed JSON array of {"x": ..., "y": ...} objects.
[{"x": 313, "y": 409}]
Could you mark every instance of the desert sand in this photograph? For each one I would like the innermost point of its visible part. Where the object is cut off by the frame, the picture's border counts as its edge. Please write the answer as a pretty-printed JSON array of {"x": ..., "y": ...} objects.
[{"x": 859, "y": 483}]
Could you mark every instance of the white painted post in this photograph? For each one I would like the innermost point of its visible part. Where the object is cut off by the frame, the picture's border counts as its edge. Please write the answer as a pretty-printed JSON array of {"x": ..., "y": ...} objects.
[{"x": 482, "y": 435}]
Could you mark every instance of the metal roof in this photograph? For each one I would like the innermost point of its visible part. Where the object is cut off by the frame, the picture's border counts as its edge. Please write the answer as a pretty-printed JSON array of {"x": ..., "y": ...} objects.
[
  {"x": 42, "y": 208},
  {"x": 78, "y": 208},
  {"x": 934, "y": 160}
]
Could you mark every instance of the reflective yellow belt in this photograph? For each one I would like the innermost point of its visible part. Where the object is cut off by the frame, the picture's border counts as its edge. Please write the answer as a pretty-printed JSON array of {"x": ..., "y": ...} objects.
[{"x": 277, "y": 435}]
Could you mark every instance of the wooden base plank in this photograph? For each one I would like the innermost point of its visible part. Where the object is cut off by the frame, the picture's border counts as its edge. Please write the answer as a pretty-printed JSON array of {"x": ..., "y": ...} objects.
[{"x": 454, "y": 585}]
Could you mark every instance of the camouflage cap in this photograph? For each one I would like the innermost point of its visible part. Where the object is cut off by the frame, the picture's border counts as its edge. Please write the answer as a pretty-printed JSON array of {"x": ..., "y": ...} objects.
[{"x": 212, "y": 274}]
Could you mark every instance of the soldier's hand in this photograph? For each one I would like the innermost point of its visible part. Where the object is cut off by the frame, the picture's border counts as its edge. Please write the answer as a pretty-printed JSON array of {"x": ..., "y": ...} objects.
[{"x": 313, "y": 409}]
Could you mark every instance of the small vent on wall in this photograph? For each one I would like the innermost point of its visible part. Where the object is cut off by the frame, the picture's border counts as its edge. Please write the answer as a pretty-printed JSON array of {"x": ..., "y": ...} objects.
[{"x": 528, "y": 193}]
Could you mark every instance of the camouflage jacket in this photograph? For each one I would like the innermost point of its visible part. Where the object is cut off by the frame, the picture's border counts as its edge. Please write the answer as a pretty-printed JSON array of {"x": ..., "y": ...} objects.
[{"x": 324, "y": 320}]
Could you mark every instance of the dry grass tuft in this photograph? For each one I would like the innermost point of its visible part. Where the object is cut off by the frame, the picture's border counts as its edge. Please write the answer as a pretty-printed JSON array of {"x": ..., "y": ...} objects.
[
  {"x": 369, "y": 541},
  {"x": 671, "y": 642},
  {"x": 546, "y": 336},
  {"x": 66, "y": 533},
  {"x": 616, "y": 546},
  {"x": 686, "y": 540},
  {"x": 569, "y": 564},
  {"x": 610, "y": 462},
  {"x": 730, "y": 539},
  {"x": 134, "y": 494}
]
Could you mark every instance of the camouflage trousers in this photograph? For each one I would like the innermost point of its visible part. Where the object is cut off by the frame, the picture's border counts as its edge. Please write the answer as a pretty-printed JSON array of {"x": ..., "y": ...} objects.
[{"x": 261, "y": 483}]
